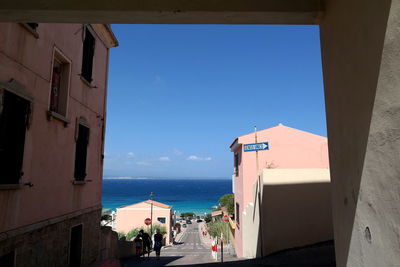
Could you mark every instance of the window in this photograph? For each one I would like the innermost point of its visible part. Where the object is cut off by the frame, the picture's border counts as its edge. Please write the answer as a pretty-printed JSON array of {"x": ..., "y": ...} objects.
[
  {"x": 32, "y": 25},
  {"x": 161, "y": 220},
  {"x": 236, "y": 162},
  {"x": 59, "y": 84},
  {"x": 14, "y": 116},
  {"x": 88, "y": 54},
  {"x": 237, "y": 213},
  {"x": 75, "y": 246},
  {"x": 8, "y": 260},
  {"x": 81, "y": 152}
]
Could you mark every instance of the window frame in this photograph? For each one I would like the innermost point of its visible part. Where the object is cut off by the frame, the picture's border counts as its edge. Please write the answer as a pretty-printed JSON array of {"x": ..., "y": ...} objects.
[
  {"x": 64, "y": 87},
  {"x": 13, "y": 87},
  {"x": 81, "y": 122},
  {"x": 88, "y": 29},
  {"x": 31, "y": 30},
  {"x": 237, "y": 213},
  {"x": 165, "y": 220},
  {"x": 236, "y": 163},
  {"x": 69, "y": 242}
]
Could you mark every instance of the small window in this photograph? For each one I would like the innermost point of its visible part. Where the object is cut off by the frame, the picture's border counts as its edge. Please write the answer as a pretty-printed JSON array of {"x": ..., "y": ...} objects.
[
  {"x": 75, "y": 246},
  {"x": 88, "y": 54},
  {"x": 59, "y": 84},
  {"x": 8, "y": 260},
  {"x": 14, "y": 116},
  {"x": 81, "y": 152},
  {"x": 32, "y": 25},
  {"x": 237, "y": 213},
  {"x": 236, "y": 162},
  {"x": 161, "y": 220}
]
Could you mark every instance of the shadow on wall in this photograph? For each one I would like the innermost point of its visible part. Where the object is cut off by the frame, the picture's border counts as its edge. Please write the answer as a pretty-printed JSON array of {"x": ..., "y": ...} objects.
[
  {"x": 295, "y": 215},
  {"x": 295, "y": 211}
]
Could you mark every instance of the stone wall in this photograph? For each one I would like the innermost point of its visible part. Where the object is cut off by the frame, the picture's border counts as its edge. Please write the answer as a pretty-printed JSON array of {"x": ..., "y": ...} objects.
[
  {"x": 49, "y": 245},
  {"x": 108, "y": 243}
]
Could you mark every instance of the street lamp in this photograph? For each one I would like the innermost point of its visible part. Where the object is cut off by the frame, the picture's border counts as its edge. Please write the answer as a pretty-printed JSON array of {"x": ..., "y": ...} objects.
[{"x": 151, "y": 213}]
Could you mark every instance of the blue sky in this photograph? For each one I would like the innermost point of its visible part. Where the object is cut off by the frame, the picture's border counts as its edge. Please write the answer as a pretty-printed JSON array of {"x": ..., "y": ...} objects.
[{"x": 178, "y": 95}]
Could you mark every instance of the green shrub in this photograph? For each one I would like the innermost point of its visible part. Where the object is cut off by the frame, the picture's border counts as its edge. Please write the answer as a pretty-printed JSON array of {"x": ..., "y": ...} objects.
[
  {"x": 121, "y": 234},
  {"x": 228, "y": 201},
  {"x": 135, "y": 231},
  {"x": 208, "y": 218},
  {"x": 216, "y": 228}
]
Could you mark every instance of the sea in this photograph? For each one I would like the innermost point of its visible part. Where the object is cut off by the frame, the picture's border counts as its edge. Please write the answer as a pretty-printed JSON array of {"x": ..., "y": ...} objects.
[{"x": 198, "y": 195}]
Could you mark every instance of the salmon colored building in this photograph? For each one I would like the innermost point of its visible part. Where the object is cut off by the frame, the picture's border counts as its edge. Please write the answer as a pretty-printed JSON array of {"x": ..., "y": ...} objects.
[
  {"x": 53, "y": 89},
  {"x": 289, "y": 148},
  {"x": 133, "y": 216}
]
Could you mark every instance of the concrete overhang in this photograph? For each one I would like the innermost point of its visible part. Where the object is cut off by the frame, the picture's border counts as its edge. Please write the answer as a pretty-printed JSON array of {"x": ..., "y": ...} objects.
[
  {"x": 163, "y": 11},
  {"x": 235, "y": 145}
]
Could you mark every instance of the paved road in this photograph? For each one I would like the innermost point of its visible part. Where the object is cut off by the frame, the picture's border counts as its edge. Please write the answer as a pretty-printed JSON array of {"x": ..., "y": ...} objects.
[{"x": 187, "y": 251}]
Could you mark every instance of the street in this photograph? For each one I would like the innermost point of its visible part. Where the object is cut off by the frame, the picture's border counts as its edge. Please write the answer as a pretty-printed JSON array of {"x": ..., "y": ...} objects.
[{"x": 188, "y": 250}]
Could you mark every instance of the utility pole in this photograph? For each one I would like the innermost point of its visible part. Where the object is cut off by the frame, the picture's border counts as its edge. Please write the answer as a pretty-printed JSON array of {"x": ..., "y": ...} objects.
[
  {"x": 259, "y": 195},
  {"x": 151, "y": 213},
  {"x": 222, "y": 247}
]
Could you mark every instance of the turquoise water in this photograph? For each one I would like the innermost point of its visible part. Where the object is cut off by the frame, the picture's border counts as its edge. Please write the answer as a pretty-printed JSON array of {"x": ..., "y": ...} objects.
[{"x": 196, "y": 195}]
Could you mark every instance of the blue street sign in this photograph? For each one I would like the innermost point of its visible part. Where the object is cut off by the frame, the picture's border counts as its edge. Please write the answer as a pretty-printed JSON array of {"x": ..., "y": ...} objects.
[{"x": 256, "y": 147}]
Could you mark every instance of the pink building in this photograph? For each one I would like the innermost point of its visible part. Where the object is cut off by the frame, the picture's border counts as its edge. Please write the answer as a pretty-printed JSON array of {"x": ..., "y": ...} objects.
[
  {"x": 53, "y": 88},
  {"x": 289, "y": 148},
  {"x": 133, "y": 216}
]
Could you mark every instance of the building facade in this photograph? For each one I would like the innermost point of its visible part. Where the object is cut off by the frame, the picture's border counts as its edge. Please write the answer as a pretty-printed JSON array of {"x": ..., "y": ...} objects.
[
  {"x": 289, "y": 148},
  {"x": 53, "y": 88},
  {"x": 133, "y": 216}
]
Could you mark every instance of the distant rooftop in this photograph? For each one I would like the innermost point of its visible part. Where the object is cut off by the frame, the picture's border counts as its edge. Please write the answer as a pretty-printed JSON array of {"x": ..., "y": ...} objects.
[{"x": 155, "y": 203}]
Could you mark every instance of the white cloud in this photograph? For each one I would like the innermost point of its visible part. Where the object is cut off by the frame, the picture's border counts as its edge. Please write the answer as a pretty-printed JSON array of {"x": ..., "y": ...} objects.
[
  {"x": 196, "y": 158},
  {"x": 177, "y": 152},
  {"x": 130, "y": 155},
  {"x": 164, "y": 159}
]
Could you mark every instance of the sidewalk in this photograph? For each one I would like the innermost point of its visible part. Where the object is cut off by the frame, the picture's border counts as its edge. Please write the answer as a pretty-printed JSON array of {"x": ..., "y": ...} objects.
[
  {"x": 207, "y": 240},
  {"x": 179, "y": 236}
]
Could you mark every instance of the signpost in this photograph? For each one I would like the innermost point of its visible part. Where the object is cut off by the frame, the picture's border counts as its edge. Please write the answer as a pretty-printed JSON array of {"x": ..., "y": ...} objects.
[
  {"x": 256, "y": 147},
  {"x": 147, "y": 221}
]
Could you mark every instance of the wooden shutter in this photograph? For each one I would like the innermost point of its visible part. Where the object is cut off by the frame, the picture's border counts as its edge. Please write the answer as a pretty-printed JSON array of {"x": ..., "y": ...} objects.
[
  {"x": 14, "y": 115},
  {"x": 81, "y": 152}
]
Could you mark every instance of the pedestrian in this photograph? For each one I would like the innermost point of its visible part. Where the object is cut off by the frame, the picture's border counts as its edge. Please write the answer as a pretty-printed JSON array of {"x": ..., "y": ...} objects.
[
  {"x": 146, "y": 243},
  {"x": 158, "y": 237},
  {"x": 174, "y": 233},
  {"x": 138, "y": 244}
]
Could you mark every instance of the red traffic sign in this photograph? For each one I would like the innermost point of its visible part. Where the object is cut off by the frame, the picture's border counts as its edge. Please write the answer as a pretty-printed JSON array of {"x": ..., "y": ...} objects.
[
  {"x": 147, "y": 221},
  {"x": 226, "y": 218}
]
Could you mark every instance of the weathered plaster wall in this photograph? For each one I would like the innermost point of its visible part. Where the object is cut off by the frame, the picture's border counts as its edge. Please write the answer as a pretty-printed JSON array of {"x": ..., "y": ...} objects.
[
  {"x": 362, "y": 80},
  {"x": 49, "y": 245},
  {"x": 49, "y": 146}
]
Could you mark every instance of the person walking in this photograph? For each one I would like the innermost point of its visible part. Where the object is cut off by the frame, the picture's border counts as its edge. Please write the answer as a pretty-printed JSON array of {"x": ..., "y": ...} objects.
[
  {"x": 146, "y": 243},
  {"x": 138, "y": 244},
  {"x": 158, "y": 237}
]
